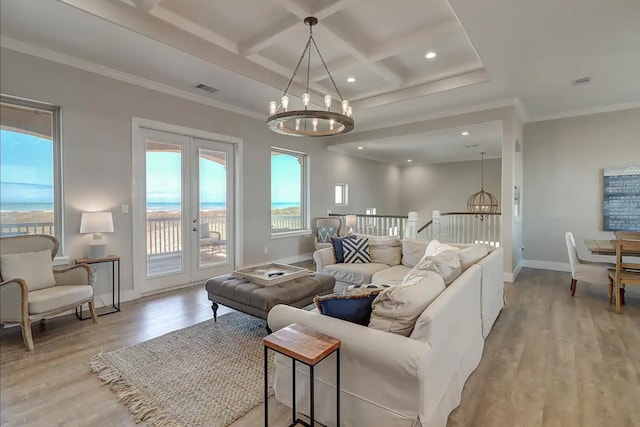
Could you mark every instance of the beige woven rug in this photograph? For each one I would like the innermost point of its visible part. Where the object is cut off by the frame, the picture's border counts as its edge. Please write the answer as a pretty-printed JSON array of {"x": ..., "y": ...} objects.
[{"x": 209, "y": 374}]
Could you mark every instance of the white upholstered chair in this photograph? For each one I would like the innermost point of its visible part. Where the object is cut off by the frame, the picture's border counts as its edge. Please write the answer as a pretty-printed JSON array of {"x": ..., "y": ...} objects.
[
  {"x": 323, "y": 229},
  {"x": 585, "y": 271},
  {"x": 31, "y": 290}
]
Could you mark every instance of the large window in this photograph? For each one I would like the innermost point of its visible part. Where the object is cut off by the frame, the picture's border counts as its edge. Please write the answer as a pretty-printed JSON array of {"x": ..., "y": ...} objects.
[
  {"x": 30, "y": 196},
  {"x": 288, "y": 191}
]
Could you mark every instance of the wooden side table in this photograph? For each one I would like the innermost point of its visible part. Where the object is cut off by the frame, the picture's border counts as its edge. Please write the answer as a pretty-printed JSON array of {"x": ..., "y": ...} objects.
[
  {"x": 309, "y": 347},
  {"x": 115, "y": 296}
]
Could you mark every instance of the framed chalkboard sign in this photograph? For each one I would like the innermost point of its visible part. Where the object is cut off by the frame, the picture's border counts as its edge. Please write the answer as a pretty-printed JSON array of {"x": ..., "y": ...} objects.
[{"x": 621, "y": 199}]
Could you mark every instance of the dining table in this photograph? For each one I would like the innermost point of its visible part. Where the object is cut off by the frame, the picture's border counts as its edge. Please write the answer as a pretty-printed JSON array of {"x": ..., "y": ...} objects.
[{"x": 605, "y": 247}]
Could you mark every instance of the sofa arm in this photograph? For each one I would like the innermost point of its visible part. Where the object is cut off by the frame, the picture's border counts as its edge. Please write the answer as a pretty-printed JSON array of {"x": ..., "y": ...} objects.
[
  {"x": 390, "y": 355},
  {"x": 323, "y": 257},
  {"x": 80, "y": 274},
  {"x": 14, "y": 300}
]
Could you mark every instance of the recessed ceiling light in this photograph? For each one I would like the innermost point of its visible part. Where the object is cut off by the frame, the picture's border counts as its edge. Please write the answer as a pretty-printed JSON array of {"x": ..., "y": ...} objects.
[
  {"x": 351, "y": 79},
  {"x": 409, "y": 160},
  {"x": 360, "y": 147},
  {"x": 430, "y": 55},
  {"x": 465, "y": 133}
]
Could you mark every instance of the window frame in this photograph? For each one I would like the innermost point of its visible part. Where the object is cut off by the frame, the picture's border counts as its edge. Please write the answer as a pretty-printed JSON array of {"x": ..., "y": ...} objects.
[
  {"x": 345, "y": 194},
  {"x": 304, "y": 197},
  {"x": 56, "y": 139}
]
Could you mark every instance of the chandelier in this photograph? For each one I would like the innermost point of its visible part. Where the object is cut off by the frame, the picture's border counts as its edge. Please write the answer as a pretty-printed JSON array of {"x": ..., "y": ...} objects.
[
  {"x": 308, "y": 122},
  {"x": 482, "y": 201}
]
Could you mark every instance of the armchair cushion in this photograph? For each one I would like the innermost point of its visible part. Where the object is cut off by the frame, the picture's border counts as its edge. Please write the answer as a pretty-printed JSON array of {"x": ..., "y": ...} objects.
[
  {"x": 53, "y": 298},
  {"x": 34, "y": 267}
]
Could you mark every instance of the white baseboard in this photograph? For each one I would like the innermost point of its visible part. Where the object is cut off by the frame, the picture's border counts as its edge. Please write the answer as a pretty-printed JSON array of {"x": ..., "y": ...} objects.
[
  {"x": 546, "y": 265},
  {"x": 508, "y": 277},
  {"x": 105, "y": 299},
  {"x": 295, "y": 258}
]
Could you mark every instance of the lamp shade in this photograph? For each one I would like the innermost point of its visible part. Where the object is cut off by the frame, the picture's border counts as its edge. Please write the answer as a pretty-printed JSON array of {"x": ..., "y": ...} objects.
[
  {"x": 96, "y": 222},
  {"x": 350, "y": 220}
]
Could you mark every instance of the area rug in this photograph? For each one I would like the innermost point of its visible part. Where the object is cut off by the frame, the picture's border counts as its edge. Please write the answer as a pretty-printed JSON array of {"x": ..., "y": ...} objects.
[{"x": 209, "y": 374}]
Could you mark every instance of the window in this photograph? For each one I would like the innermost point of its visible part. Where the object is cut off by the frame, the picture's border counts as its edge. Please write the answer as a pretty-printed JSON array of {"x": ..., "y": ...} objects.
[
  {"x": 342, "y": 194},
  {"x": 288, "y": 191},
  {"x": 30, "y": 190}
]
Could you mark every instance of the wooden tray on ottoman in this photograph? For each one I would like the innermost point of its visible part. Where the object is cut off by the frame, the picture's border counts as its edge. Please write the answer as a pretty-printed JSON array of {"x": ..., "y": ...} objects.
[{"x": 263, "y": 274}]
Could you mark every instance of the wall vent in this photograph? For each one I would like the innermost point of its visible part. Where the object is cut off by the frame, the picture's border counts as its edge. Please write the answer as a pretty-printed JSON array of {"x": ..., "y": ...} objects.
[
  {"x": 205, "y": 88},
  {"x": 581, "y": 81}
]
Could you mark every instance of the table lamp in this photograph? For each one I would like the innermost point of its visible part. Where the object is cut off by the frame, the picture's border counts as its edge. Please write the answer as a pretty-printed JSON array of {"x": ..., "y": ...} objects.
[
  {"x": 96, "y": 223},
  {"x": 350, "y": 221}
]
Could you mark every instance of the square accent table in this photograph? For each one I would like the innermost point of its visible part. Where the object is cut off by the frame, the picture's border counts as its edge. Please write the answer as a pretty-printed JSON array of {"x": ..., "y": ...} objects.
[
  {"x": 115, "y": 283},
  {"x": 309, "y": 347}
]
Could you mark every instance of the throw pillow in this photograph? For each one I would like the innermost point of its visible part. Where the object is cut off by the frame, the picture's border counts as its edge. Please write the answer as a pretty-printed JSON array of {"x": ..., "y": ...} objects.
[
  {"x": 472, "y": 254},
  {"x": 352, "y": 308},
  {"x": 326, "y": 232},
  {"x": 412, "y": 251},
  {"x": 356, "y": 251},
  {"x": 446, "y": 263},
  {"x": 397, "y": 308},
  {"x": 337, "y": 247},
  {"x": 435, "y": 247},
  {"x": 384, "y": 249},
  {"x": 365, "y": 289},
  {"x": 34, "y": 267}
]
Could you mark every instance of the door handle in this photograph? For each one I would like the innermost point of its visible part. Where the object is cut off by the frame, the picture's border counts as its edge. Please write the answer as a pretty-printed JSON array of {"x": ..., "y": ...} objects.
[
  {"x": 195, "y": 220},
  {"x": 195, "y": 228}
]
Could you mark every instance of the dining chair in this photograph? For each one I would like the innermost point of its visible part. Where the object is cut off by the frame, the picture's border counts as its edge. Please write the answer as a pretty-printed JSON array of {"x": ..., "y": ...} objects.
[
  {"x": 585, "y": 271},
  {"x": 625, "y": 272}
]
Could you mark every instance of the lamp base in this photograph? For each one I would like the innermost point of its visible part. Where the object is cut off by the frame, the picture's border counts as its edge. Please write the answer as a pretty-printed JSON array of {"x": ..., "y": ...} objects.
[{"x": 97, "y": 250}]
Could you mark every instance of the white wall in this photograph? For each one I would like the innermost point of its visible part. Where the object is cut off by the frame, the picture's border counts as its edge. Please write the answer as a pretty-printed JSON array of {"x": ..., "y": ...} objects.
[
  {"x": 446, "y": 186},
  {"x": 97, "y": 164},
  {"x": 563, "y": 163}
]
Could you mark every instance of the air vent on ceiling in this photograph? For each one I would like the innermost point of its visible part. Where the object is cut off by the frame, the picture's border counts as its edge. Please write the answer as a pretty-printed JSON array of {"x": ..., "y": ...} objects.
[
  {"x": 582, "y": 81},
  {"x": 205, "y": 88}
]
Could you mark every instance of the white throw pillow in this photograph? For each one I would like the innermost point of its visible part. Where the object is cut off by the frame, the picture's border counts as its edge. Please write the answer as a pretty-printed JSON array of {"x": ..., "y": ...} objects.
[
  {"x": 412, "y": 251},
  {"x": 435, "y": 247},
  {"x": 472, "y": 254},
  {"x": 397, "y": 308},
  {"x": 446, "y": 263},
  {"x": 35, "y": 268}
]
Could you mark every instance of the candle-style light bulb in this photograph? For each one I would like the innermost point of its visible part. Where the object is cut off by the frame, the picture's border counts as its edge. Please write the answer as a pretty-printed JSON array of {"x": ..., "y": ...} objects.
[
  {"x": 327, "y": 102},
  {"x": 345, "y": 106},
  {"x": 314, "y": 122},
  {"x": 331, "y": 123},
  {"x": 285, "y": 103},
  {"x": 297, "y": 124},
  {"x": 350, "y": 111},
  {"x": 305, "y": 100},
  {"x": 273, "y": 105}
]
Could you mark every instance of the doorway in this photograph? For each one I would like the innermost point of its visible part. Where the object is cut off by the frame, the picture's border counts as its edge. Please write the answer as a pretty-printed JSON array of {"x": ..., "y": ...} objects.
[{"x": 184, "y": 206}]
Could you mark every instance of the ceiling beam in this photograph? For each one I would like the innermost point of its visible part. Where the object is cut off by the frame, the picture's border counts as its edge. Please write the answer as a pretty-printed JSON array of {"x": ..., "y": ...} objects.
[
  {"x": 146, "y": 5},
  {"x": 420, "y": 37},
  {"x": 269, "y": 36}
]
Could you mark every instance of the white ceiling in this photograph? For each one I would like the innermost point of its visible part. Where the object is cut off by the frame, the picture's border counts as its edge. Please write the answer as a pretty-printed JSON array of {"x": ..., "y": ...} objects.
[{"x": 489, "y": 54}]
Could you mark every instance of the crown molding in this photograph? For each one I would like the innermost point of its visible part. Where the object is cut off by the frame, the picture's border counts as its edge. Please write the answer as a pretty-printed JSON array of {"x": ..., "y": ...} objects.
[
  {"x": 586, "y": 112},
  {"x": 82, "y": 64}
]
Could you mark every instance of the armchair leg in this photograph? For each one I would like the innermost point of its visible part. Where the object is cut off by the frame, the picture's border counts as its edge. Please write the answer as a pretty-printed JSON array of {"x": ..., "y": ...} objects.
[
  {"x": 26, "y": 335},
  {"x": 92, "y": 310},
  {"x": 574, "y": 282}
]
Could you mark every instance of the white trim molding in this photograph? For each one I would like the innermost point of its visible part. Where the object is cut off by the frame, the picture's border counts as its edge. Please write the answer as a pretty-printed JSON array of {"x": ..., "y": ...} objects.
[
  {"x": 586, "y": 112},
  {"x": 546, "y": 265}
]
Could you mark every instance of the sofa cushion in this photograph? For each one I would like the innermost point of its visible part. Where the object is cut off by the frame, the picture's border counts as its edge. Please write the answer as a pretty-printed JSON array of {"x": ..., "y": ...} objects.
[
  {"x": 394, "y": 275},
  {"x": 384, "y": 249},
  {"x": 446, "y": 263},
  {"x": 435, "y": 247},
  {"x": 35, "y": 268},
  {"x": 354, "y": 273},
  {"x": 326, "y": 232},
  {"x": 52, "y": 298},
  {"x": 412, "y": 251},
  {"x": 337, "y": 247},
  {"x": 472, "y": 254},
  {"x": 356, "y": 251},
  {"x": 352, "y": 308},
  {"x": 396, "y": 309}
]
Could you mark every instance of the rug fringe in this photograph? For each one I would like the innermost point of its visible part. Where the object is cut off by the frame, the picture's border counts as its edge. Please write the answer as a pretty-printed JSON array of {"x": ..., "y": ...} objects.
[{"x": 142, "y": 408}]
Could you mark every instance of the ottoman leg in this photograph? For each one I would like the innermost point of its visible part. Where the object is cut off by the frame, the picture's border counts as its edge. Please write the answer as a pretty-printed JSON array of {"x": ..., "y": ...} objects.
[{"x": 214, "y": 307}]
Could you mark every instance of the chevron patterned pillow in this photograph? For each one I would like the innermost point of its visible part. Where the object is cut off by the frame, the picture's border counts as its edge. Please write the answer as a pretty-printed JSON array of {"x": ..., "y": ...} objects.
[
  {"x": 356, "y": 251},
  {"x": 326, "y": 232}
]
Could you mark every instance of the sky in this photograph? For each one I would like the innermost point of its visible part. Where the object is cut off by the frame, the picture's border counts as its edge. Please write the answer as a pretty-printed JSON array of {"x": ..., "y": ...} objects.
[{"x": 26, "y": 174}]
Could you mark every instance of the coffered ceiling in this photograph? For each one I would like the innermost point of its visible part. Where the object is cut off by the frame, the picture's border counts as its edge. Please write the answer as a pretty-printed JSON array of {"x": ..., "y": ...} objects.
[{"x": 489, "y": 53}]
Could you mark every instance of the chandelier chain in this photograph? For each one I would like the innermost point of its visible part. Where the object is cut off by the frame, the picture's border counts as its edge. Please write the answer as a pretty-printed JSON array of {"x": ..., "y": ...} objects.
[
  {"x": 297, "y": 66},
  {"x": 327, "y": 69}
]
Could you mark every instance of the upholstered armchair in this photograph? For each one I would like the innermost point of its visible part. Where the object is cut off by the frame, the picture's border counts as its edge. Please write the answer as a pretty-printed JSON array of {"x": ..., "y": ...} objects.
[
  {"x": 32, "y": 290},
  {"x": 324, "y": 228}
]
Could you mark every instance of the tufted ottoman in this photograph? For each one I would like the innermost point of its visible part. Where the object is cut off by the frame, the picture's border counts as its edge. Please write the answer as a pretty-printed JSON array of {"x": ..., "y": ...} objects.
[{"x": 258, "y": 300}]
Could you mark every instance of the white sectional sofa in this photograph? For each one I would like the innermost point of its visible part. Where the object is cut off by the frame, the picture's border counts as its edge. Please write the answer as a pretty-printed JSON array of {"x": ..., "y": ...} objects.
[{"x": 390, "y": 380}]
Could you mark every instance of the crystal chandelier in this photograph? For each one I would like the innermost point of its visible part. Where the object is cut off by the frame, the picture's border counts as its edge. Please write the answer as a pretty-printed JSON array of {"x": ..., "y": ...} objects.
[
  {"x": 306, "y": 122},
  {"x": 482, "y": 201}
]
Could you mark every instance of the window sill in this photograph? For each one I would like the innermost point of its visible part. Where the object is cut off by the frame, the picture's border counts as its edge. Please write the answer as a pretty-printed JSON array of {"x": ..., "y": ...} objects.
[
  {"x": 294, "y": 233},
  {"x": 61, "y": 260}
]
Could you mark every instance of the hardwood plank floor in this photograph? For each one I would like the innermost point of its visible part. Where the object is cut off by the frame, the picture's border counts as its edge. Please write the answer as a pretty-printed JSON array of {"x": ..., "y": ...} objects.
[{"x": 551, "y": 360}]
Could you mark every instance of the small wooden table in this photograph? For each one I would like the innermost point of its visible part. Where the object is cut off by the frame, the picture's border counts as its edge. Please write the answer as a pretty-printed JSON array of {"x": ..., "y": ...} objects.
[
  {"x": 115, "y": 295},
  {"x": 304, "y": 345},
  {"x": 604, "y": 247}
]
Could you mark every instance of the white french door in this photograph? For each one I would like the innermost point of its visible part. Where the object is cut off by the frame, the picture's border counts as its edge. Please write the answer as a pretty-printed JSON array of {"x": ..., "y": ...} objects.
[{"x": 184, "y": 223}]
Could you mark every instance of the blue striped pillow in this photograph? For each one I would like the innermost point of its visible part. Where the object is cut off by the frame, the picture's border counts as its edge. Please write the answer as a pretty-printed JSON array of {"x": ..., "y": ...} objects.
[{"x": 356, "y": 251}]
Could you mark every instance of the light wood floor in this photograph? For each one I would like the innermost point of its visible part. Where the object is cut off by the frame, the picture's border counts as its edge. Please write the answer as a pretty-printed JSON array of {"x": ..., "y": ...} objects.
[{"x": 551, "y": 360}]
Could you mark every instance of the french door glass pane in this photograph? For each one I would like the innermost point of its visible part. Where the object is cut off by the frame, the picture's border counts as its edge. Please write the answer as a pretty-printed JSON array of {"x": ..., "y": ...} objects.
[
  {"x": 212, "y": 209},
  {"x": 164, "y": 208}
]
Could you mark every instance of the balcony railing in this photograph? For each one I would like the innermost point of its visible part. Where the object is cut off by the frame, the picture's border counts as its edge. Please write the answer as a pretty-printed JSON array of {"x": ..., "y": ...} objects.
[
  {"x": 27, "y": 228},
  {"x": 463, "y": 227},
  {"x": 376, "y": 225}
]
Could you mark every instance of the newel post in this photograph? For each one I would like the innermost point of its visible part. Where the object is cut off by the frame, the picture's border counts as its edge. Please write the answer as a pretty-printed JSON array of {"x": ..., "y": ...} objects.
[
  {"x": 435, "y": 216},
  {"x": 412, "y": 226}
]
